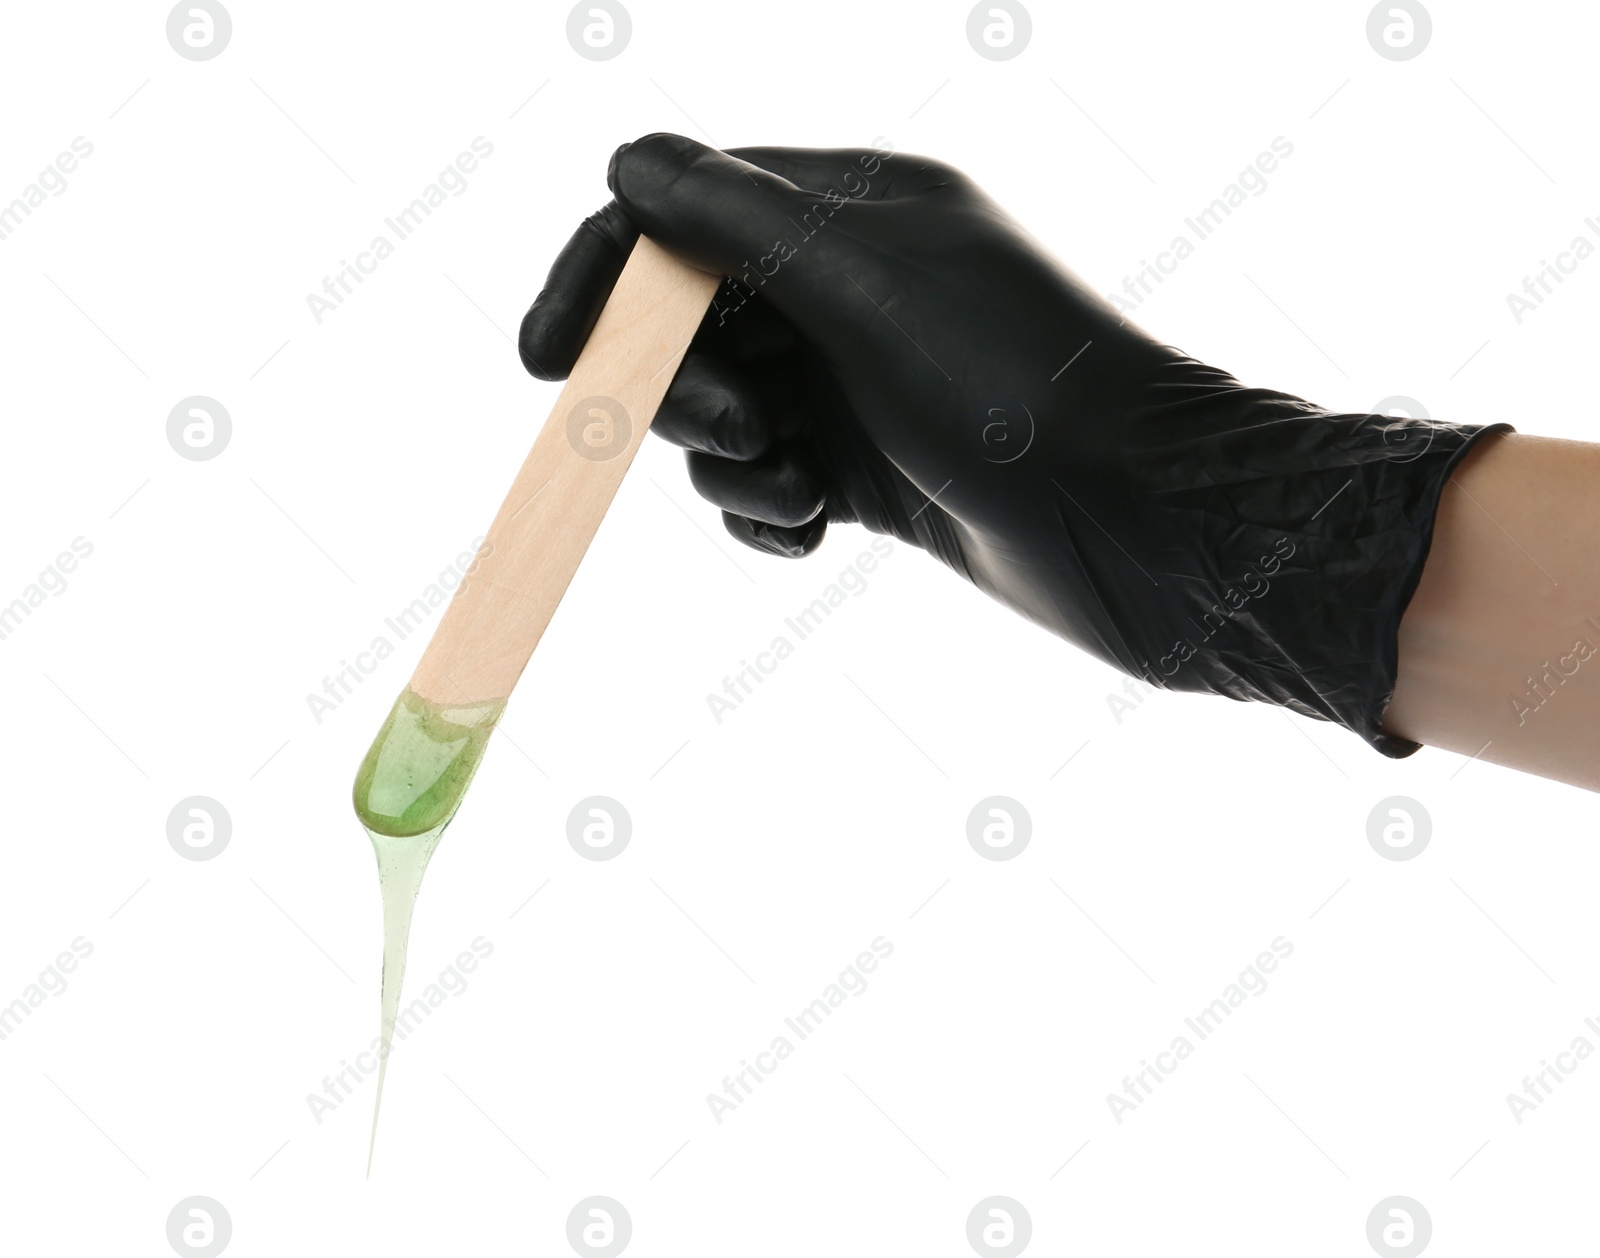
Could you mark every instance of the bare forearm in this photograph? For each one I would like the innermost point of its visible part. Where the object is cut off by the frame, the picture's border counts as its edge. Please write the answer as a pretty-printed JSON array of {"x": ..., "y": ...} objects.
[{"x": 1500, "y": 647}]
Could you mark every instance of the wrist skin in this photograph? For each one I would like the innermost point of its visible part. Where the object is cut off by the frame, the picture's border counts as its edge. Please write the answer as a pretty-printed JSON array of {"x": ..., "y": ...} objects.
[{"x": 1500, "y": 646}]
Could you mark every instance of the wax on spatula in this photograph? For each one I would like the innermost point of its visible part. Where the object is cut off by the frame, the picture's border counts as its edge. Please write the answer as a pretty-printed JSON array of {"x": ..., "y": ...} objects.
[{"x": 420, "y": 765}]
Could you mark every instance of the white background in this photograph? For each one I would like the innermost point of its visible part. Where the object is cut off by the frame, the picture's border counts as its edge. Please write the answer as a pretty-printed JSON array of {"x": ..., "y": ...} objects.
[{"x": 369, "y": 450}]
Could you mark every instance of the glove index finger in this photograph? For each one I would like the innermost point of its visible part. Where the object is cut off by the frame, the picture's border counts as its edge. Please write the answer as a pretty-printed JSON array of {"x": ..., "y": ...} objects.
[
  {"x": 861, "y": 174},
  {"x": 581, "y": 278},
  {"x": 716, "y": 211}
]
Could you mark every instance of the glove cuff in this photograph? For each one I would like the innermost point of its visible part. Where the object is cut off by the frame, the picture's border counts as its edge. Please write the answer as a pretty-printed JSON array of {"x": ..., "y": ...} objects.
[
  {"x": 1300, "y": 537},
  {"x": 1367, "y": 717}
]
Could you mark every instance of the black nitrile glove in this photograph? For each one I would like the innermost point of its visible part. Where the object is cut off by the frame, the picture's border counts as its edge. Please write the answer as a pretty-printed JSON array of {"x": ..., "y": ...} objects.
[{"x": 892, "y": 349}]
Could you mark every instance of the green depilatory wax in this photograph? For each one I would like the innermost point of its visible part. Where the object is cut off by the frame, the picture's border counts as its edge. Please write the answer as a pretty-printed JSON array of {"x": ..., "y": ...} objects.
[
  {"x": 406, "y": 791},
  {"x": 420, "y": 764}
]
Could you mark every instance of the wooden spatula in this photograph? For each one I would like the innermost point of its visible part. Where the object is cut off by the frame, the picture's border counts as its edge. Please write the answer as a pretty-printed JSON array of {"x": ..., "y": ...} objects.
[{"x": 420, "y": 765}]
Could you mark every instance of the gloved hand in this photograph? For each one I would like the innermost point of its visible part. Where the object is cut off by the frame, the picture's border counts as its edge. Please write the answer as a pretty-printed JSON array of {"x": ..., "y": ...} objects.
[{"x": 892, "y": 349}]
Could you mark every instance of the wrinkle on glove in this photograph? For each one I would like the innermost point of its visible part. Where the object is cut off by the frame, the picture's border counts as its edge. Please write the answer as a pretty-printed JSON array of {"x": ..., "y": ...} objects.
[{"x": 890, "y": 348}]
